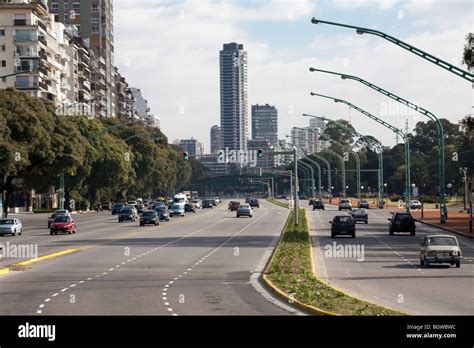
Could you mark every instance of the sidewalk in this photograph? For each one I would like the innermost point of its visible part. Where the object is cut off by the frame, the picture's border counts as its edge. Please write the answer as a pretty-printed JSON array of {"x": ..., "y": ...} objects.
[{"x": 457, "y": 221}]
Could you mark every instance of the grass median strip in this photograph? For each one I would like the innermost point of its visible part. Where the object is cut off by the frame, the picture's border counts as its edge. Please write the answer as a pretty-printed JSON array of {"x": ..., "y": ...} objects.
[
  {"x": 277, "y": 202},
  {"x": 290, "y": 270}
]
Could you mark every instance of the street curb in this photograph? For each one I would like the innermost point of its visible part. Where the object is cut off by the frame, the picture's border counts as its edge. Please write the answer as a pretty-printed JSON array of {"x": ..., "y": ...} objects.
[
  {"x": 445, "y": 229},
  {"x": 283, "y": 295},
  {"x": 13, "y": 266}
]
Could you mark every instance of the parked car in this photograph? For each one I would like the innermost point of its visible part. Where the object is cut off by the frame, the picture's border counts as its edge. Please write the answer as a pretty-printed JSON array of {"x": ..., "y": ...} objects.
[
  {"x": 254, "y": 202},
  {"x": 318, "y": 205},
  {"x": 414, "y": 204},
  {"x": 244, "y": 210},
  {"x": 177, "y": 209},
  {"x": 189, "y": 208},
  {"x": 217, "y": 200},
  {"x": 105, "y": 205},
  {"x": 440, "y": 249},
  {"x": 234, "y": 206},
  {"x": 57, "y": 213},
  {"x": 342, "y": 224},
  {"x": 345, "y": 204},
  {"x": 247, "y": 199},
  {"x": 402, "y": 222},
  {"x": 116, "y": 208},
  {"x": 149, "y": 217},
  {"x": 311, "y": 201},
  {"x": 360, "y": 215},
  {"x": 163, "y": 212},
  {"x": 363, "y": 204},
  {"x": 213, "y": 201},
  {"x": 206, "y": 203},
  {"x": 63, "y": 224},
  {"x": 127, "y": 214},
  {"x": 197, "y": 203},
  {"x": 10, "y": 226}
]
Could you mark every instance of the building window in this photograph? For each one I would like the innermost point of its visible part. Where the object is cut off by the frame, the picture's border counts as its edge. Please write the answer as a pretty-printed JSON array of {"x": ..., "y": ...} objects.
[
  {"x": 4, "y": 79},
  {"x": 95, "y": 8},
  {"x": 55, "y": 6},
  {"x": 95, "y": 19},
  {"x": 20, "y": 19},
  {"x": 3, "y": 48},
  {"x": 95, "y": 29},
  {"x": 2, "y": 32},
  {"x": 76, "y": 7},
  {"x": 4, "y": 63}
]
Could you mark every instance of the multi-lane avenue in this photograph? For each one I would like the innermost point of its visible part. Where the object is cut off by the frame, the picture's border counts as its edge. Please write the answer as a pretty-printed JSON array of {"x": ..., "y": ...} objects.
[
  {"x": 388, "y": 271},
  {"x": 205, "y": 263}
]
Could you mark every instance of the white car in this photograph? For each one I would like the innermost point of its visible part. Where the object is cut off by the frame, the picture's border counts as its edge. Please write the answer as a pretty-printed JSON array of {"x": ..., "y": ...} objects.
[
  {"x": 440, "y": 248},
  {"x": 197, "y": 203},
  {"x": 10, "y": 226},
  {"x": 415, "y": 204}
]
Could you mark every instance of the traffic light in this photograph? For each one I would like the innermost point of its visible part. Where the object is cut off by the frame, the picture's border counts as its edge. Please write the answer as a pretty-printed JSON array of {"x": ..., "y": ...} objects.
[
  {"x": 259, "y": 153},
  {"x": 185, "y": 156}
]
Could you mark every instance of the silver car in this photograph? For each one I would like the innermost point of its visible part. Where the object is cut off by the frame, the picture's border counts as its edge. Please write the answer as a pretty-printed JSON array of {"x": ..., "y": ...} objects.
[
  {"x": 244, "y": 210},
  {"x": 10, "y": 226},
  {"x": 360, "y": 215},
  {"x": 440, "y": 249}
]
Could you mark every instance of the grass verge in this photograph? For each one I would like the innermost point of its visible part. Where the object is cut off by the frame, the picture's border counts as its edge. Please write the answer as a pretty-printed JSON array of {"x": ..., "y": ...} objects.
[
  {"x": 290, "y": 270},
  {"x": 277, "y": 202}
]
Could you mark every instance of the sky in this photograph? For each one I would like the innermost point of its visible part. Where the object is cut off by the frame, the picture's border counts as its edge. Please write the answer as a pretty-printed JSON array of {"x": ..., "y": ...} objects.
[{"x": 170, "y": 50}]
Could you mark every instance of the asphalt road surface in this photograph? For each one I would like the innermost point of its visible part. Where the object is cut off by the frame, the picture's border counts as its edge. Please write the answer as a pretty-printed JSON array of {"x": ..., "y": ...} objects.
[
  {"x": 389, "y": 273},
  {"x": 205, "y": 263}
]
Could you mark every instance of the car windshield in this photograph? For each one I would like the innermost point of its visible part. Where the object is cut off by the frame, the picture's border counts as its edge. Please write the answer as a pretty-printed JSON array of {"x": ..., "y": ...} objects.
[
  {"x": 245, "y": 206},
  {"x": 149, "y": 213},
  {"x": 359, "y": 211},
  {"x": 343, "y": 220},
  {"x": 344, "y": 201},
  {"x": 62, "y": 218},
  {"x": 403, "y": 217},
  {"x": 125, "y": 211},
  {"x": 177, "y": 206},
  {"x": 161, "y": 209},
  {"x": 6, "y": 222},
  {"x": 442, "y": 241},
  {"x": 118, "y": 205},
  {"x": 61, "y": 211}
]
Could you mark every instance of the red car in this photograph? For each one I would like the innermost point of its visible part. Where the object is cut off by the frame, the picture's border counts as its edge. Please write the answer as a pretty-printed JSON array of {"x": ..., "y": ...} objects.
[
  {"x": 234, "y": 206},
  {"x": 63, "y": 224}
]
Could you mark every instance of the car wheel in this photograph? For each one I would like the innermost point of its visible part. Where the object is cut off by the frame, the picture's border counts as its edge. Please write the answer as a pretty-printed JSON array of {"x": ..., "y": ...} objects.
[
  {"x": 21, "y": 231},
  {"x": 366, "y": 222},
  {"x": 74, "y": 232},
  {"x": 14, "y": 233},
  {"x": 238, "y": 216},
  {"x": 69, "y": 232},
  {"x": 339, "y": 209},
  {"x": 412, "y": 233},
  {"x": 458, "y": 264},
  {"x": 333, "y": 235},
  {"x": 390, "y": 232},
  {"x": 422, "y": 263},
  {"x": 51, "y": 233}
]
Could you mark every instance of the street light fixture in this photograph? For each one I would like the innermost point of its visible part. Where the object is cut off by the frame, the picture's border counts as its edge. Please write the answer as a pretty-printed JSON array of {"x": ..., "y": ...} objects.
[
  {"x": 430, "y": 115},
  {"x": 429, "y": 57},
  {"x": 393, "y": 129},
  {"x": 373, "y": 141}
]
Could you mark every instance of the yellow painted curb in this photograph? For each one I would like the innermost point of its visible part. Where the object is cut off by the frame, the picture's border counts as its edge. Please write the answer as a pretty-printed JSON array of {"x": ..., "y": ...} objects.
[
  {"x": 45, "y": 257},
  {"x": 4, "y": 270},
  {"x": 283, "y": 295}
]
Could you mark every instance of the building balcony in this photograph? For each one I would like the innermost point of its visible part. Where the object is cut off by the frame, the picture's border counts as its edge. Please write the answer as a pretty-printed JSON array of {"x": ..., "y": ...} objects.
[
  {"x": 26, "y": 37},
  {"x": 26, "y": 85}
]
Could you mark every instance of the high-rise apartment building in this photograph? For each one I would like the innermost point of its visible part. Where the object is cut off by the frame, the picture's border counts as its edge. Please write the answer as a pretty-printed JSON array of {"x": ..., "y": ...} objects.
[
  {"x": 216, "y": 141},
  {"x": 192, "y": 147},
  {"x": 265, "y": 123},
  {"x": 94, "y": 21},
  {"x": 234, "y": 96},
  {"x": 33, "y": 50}
]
